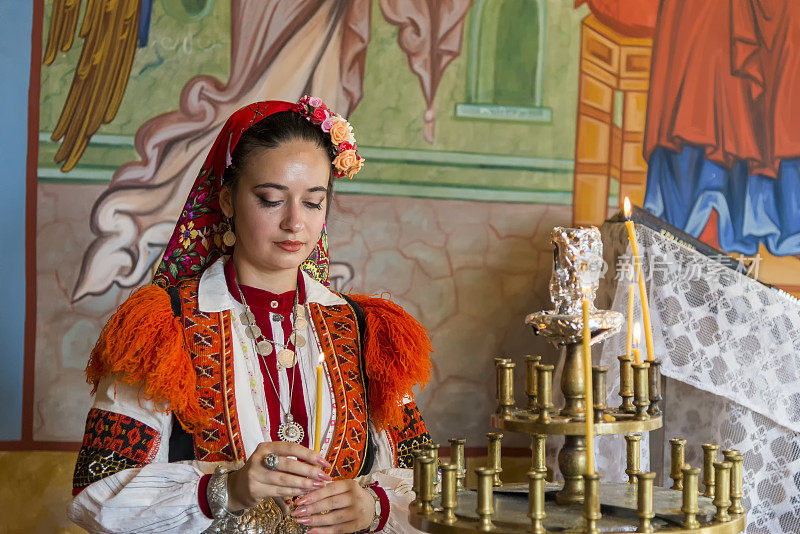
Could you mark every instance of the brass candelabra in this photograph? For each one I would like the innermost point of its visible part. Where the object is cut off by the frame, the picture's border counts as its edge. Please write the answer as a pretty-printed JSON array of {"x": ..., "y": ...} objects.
[
  {"x": 583, "y": 502},
  {"x": 636, "y": 506}
]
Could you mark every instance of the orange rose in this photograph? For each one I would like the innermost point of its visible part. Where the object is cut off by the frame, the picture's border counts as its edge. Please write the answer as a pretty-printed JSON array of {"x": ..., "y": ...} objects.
[
  {"x": 340, "y": 131},
  {"x": 347, "y": 163},
  {"x": 354, "y": 169},
  {"x": 345, "y": 159}
]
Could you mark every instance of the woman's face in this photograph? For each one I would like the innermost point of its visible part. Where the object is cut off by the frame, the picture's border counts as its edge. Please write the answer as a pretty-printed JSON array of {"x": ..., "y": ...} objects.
[{"x": 278, "y": 208}]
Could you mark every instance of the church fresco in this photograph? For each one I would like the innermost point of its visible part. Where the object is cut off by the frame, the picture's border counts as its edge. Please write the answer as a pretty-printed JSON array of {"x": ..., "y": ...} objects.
[{"x": 103, "y": 222}]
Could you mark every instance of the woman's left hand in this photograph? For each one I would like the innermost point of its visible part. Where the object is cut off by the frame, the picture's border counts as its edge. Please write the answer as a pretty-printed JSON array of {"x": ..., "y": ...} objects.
[{"x": 341, "y": 506}]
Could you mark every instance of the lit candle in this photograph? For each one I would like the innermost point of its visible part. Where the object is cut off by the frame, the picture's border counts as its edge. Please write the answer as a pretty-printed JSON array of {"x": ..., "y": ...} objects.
[
  {"x": 587, "y": 373},
  {"x": 318, "y": 412},
  {"x": 637, "y": 334},
  {"x": 637, "y": 262}
]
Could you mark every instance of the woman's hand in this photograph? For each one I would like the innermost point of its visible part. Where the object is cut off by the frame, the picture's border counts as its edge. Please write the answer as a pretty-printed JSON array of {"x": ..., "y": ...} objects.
[
  {"x": 253, "y": 483},
  {"x": 341, "y": 506}
]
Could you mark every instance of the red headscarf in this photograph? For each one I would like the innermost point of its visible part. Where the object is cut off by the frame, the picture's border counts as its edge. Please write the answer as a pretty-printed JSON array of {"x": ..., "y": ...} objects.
[{"x": 197, "y": 239}]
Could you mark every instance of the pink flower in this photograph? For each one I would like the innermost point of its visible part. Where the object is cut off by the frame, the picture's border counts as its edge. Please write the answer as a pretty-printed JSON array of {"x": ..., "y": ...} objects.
[
  {"x": 327, "y": 123},
  {"x": 315, "y": 101},
  {"x": 169, "y": 249},
  {"x": 319, "y": 115},
  {"x": 344, "y": 145}
]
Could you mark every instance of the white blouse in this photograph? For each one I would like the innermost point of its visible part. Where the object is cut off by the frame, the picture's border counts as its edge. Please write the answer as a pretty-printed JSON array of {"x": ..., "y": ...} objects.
[{"x": 162, "y": 496}]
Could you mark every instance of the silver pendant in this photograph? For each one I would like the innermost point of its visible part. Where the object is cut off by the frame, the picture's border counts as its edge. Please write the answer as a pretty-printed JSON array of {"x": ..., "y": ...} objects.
[
  {"x": 299, "y": 311},
  {"x": 247, "y": 317},
  {"x": 300, "y": 324},
  {"x": 277, "y": 317},
  {"x": 286, "y": 358},
  {"x": 253, "y": 331},
  {"x": 290, "y": 431},
  {"x": 297, "y": 340},
  {"x": 264, "y": 347}
]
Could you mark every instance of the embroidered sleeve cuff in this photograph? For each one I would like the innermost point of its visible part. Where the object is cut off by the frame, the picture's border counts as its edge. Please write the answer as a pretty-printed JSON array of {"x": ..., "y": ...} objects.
[
  {"x": 385, "y": 506},
  {"x": 202, "y": 496}
]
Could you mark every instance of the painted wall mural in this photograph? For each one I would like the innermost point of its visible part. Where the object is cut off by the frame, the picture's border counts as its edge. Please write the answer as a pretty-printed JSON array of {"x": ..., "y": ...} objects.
[
  {"x": 686, "y": 107},
  {"x": 722, "y": 123},
  {"x": 111, "y": 186},
  {"x": 484, "y": 123},
  {"x": 315, "y": 47}
]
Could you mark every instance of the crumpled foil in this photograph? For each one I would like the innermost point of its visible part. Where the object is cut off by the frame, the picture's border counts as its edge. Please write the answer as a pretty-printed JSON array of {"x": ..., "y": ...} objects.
[{"x": 577, "y": 269}]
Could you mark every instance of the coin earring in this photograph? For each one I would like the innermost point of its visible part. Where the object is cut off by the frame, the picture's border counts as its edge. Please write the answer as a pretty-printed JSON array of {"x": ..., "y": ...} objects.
[{"x": 229, "y": 238}]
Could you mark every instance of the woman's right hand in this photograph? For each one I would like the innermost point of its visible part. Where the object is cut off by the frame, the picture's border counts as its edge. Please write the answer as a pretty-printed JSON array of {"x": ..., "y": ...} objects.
[{"x": 253, "y": 483}]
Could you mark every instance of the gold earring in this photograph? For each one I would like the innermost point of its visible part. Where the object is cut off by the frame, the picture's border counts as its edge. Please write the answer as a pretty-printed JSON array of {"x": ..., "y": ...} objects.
[{"x": 229, "y": 238}]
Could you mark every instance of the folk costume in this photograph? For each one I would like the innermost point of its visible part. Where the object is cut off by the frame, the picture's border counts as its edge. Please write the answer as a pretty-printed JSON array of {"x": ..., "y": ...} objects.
[{"x": 181, "y": 388}]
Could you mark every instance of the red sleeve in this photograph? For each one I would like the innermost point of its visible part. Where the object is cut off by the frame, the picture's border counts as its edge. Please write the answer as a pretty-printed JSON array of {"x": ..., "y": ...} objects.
[
  {"x": 202, "y": 496},
  {"x": 385, "y": 506}
]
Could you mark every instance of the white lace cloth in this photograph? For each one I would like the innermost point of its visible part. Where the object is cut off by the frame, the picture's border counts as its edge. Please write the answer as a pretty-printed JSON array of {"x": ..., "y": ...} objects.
[{"x": 731, "y": 349}]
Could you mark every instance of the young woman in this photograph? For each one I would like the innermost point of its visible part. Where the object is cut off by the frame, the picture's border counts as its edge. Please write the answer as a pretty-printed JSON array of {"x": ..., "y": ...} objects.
[{"x": 210, "y": 410}]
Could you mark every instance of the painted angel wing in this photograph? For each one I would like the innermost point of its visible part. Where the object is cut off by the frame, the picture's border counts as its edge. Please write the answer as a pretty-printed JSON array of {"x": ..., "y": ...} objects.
[
  {"x": 109, "y": 32},
  {"x": 63, "y": 21}
]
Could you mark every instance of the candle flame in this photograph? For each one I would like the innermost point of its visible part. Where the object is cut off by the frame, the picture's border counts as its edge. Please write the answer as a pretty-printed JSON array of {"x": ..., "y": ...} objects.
[
  {"x": 637, "y": 332},
  {"x": 626, "y": 207}
]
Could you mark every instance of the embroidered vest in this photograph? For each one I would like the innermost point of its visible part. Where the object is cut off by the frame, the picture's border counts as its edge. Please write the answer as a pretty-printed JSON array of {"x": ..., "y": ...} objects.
[{"x": 209, "y": 342}]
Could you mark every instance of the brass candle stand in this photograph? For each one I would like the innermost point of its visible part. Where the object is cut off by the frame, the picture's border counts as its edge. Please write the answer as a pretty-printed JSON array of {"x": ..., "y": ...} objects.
[
  {"x": 583, "y": 502},
  {"x": 545, "y": 421},
  {"x": 615, "y": 508},
  {"x": 576, "y": 273}
]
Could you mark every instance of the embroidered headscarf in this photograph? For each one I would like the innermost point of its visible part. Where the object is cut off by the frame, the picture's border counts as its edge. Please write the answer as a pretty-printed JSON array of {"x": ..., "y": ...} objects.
[{"x": 197, "y": 239}]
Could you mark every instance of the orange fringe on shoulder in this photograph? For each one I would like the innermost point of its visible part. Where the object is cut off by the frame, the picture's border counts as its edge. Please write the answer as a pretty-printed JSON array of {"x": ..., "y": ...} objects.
[
  {"x": 397, "y": 356},
  {"x": 143, "y": 343}
]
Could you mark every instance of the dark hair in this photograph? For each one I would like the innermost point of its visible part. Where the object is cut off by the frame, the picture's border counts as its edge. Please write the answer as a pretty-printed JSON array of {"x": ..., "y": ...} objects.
[{"x": 271, "y": 132}]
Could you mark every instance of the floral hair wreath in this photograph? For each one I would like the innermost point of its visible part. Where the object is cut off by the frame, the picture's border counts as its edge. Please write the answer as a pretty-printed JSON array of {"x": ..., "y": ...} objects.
[{"x": 347, "y": 161}]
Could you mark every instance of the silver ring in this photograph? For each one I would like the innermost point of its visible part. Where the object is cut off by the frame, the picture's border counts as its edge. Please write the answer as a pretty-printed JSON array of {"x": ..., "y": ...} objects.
[{"x": 270, "y": 461}]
